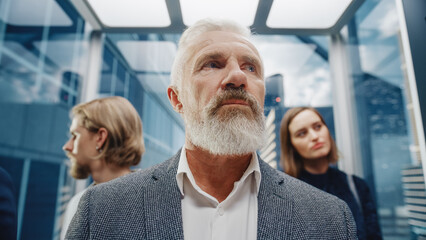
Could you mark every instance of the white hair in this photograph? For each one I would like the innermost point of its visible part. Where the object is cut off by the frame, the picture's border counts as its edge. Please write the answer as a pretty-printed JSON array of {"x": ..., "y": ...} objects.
[{"x": 193, "y": 32}]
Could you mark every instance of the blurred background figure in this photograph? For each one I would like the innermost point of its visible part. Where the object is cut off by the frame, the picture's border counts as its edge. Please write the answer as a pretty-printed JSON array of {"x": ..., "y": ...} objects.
[
  {"x": 106, "y": 140},
  {"x": 308, "y": 149},
  {"x": 8, "y": 219}
]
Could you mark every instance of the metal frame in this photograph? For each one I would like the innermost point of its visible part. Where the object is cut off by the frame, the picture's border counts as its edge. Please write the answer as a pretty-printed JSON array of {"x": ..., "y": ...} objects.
[
  {"x": 344, "y": 110},
  {"x": 89, "y": 88}
]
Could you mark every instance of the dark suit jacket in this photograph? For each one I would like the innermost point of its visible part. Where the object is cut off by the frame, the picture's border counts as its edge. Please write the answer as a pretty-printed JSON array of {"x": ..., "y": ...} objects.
[
  {"x": 147, "y": 205},
  {"x": 8, "y": 222}
]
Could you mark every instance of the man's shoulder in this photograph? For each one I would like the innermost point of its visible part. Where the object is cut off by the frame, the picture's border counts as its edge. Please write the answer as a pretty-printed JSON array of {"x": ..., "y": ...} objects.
[
  {"x": 137, "y": 181},
  {"x": 296, "y": 190},
  {"x": 308, "y": 211}
]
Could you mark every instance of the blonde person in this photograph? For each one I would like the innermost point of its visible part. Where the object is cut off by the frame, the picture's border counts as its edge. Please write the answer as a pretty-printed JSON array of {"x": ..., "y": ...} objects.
[
  {"x": 307, "y": 149},
  {"x": 215, "y": 187},
  {"x": 106, "y": 140}
]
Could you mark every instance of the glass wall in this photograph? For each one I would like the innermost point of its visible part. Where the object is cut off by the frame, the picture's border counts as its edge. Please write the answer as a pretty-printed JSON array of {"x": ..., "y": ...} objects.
[
  {"x": 44, "y": 47},
  {"x": 140, "y": 70},
  {"x": 42, "y": 64},
  {"x": 297, "y": 74},
  {"x": 382, "y": 108}
]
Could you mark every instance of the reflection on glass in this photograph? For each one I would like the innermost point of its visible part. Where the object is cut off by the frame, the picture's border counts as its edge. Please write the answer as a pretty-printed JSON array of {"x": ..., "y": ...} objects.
[
  {"x": 42, "y": 61},
  {"x": 305, "y": 72},
  {"x": 34, "y": 13},
  {"x": 381, "y": 102}
]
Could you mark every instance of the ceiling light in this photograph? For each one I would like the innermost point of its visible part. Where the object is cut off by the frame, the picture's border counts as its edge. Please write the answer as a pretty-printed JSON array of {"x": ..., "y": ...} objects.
[
  {"x": 306, "y": 13},
  {"x": 131, "y": 13},
  {"x": 242, "y": 11}
]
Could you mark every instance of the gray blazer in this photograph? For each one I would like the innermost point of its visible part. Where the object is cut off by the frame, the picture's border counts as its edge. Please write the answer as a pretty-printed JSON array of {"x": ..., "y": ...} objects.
[{"x": 147, "y": 205}]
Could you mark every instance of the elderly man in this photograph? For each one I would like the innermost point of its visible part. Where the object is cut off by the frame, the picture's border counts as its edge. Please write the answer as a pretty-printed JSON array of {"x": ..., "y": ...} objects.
[{"x": 215, "y": 187}]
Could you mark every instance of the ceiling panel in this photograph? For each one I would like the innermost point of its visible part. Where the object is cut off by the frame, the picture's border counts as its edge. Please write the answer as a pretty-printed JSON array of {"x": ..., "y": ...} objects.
[
  {"x": 242, "y": 11},
  {"x": 131, "y": 13},
  {"x": 290, "y": 17},
  {"x": 306, "y": 13}
]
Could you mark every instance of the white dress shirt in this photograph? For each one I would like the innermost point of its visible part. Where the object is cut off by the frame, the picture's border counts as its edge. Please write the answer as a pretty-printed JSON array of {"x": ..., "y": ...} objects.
[
  {"x": 70, "y": 212},
  {"x": 205, "y": 218}
]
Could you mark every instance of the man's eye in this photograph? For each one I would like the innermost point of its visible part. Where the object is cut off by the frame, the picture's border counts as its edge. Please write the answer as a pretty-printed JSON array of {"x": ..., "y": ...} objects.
[
  {"x": 251, "y": 68},
  {"x": 71, "y": 135},
  {"x": 212, "y": 65}
]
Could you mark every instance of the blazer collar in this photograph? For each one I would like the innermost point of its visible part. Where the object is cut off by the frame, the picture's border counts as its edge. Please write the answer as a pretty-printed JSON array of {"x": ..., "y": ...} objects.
[
  {"x": 164, "y": 210},
  {"x": 275, "y": 207}
]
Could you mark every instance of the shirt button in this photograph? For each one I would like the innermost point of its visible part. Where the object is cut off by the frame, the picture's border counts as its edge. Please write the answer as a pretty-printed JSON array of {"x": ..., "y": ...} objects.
[{"x": 221, "y": 211}]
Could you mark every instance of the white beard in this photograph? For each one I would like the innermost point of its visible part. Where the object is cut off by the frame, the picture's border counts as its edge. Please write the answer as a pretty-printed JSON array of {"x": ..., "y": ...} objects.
[{"x": 234, "y": 132}]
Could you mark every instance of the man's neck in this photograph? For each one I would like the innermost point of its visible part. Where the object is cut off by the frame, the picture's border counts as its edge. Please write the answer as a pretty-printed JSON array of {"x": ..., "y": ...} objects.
[{"x": 216, "y": 174}]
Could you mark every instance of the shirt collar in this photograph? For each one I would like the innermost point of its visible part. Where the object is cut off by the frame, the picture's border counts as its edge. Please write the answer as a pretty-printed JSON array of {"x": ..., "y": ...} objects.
[{"x": 183, "y": 168}]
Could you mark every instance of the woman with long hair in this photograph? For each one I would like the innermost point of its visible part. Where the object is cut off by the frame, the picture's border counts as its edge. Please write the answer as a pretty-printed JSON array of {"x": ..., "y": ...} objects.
[{"x": 308, "y": 149}]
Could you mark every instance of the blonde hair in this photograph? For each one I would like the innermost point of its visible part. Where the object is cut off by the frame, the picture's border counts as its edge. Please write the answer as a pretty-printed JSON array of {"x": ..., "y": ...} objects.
[
  {"x": 124, "y": 144},
  {"x": 291, "y": 161},
  {"x": 191, "y": 33}
]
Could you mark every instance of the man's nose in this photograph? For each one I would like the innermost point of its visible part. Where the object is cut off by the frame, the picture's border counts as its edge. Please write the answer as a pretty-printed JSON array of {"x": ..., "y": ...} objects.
[
  {"x": 236, "y": 77},
  {"x": 67, "y": 146}
]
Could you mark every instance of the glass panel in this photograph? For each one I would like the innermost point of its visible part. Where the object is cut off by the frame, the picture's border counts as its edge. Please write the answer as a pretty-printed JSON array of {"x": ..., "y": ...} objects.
[
  {"x": 380, "y": 90},
  {"x": 120, "y": 81},
  {"x": 14, "y": 170},
  {"x": 297, "y": 74},
  {"x": 34, "y": 13},
  {"x": 108, "y": 69},
  {"x": 158, "y": 129},
  {"x": 144, "y": 84},
  {"x": 149, "y": 56},
  {"x": 303, "y": 64},
  {"x": 42, "y": 63},
  {"x": 39, "y": 215}
]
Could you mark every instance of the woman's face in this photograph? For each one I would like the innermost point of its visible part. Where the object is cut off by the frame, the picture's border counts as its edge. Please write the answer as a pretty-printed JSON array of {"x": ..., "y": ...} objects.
[{"x": 309, "y": 135}]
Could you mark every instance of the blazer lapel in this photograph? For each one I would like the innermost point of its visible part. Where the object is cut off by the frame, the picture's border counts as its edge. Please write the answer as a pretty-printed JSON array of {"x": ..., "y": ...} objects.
[
  {"x": 163, "y": 211},
  {"x": 275, "y": 208}
]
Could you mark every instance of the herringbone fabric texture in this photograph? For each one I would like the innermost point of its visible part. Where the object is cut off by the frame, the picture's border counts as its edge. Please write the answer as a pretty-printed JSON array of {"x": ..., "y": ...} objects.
[{"x": 146, "y": 205}]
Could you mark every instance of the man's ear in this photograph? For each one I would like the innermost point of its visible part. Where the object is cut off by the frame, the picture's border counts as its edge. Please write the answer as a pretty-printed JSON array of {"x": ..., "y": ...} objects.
[
  {"x": 101, "y": 137},
  {"x": 173, "y": 95}
]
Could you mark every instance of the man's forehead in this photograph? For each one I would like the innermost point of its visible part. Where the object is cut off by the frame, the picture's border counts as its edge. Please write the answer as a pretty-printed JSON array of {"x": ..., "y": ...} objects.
[
  {"x": 211, "y": 37},
  {"x": 204, "y": 45},
  {"x": 74, "y": 123}
]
